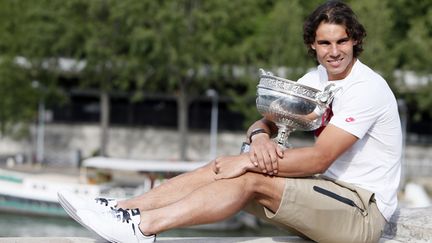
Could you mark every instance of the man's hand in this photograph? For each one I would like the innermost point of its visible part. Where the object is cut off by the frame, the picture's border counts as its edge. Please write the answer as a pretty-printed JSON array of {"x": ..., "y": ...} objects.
[
  {"x": 226, "y": 167},
  {"x": 265, "y": 153}
]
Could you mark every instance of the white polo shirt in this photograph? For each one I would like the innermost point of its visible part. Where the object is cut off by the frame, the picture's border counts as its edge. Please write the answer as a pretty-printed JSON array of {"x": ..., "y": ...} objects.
[{"x": 366, "y": 107}]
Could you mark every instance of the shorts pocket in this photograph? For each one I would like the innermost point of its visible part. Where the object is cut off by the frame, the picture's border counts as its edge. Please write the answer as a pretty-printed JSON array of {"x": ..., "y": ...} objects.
[{"x": 337, "y": 197}]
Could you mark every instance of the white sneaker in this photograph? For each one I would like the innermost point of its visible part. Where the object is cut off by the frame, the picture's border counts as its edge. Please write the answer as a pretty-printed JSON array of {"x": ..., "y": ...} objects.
[
  {"x": 120, "y": 225},
  {"x": 72, "y": 202}
]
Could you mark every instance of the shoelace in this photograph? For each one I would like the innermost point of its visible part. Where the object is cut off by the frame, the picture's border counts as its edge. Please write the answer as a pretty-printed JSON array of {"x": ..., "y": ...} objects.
[
  {"x": 120, "y": 214},
  {"x": 123, "y": 215},
  {"x": 102, "y": 201}
]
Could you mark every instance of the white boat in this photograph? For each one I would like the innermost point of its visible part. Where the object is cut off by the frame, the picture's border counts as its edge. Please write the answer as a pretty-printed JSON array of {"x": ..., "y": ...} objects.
[
  {"x": 36, "y": 193},
  {"x": 28, "y": 193}
]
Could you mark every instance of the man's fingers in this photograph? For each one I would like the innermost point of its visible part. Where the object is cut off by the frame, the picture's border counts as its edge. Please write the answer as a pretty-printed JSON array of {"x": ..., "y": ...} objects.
[
  {"x": 267, "y": 161},
  {"x": 275, "y": 167},
  {"x": 253, "y": 159},
  {"x": 269, "y": 165},
  {"x": 261, "y": 163},
  {"x": 265, "y": 157},
  {"x": 275, "y": 159}
]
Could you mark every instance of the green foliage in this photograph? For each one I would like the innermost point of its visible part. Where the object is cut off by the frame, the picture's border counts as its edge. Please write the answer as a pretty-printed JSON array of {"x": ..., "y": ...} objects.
[
  {"x": 191, "y": 42},
  {"x": 413, "y": 26},
  {"x": 18, "y": 102},
  {"x": 378, "y": 47},
  {"x": 419, "y": 42},
  {"x": 189, "y": 46},
  {"x": 277, "y": 43},
  {"x": 27, "y": 35}
]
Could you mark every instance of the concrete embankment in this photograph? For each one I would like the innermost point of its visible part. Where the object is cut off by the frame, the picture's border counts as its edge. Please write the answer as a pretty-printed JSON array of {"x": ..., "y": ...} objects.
[
  {"x": 406, "y": 225},
  {"x": 66, "y": 143},
  {"x": 170, "y": 240}
]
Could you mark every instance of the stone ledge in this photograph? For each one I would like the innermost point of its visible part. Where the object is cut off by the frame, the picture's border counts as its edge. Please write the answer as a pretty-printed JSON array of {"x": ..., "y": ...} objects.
[
  {"x": 410, "y": 225},
  {"x": 278, "y": 239},
  {"x": 49, "y": 240},
  {"x": 406, "y": 225},
  {"x": 161, "y": 239}
]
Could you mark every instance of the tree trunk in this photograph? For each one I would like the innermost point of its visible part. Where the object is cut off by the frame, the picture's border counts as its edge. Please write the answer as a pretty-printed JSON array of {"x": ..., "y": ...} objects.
[
  {"x": 104, "y": 122},
  {"x": 182, "y": 118}
]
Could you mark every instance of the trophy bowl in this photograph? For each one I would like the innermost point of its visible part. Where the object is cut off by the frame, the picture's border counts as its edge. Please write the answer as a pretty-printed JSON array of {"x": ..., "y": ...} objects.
[{"x": 290, "y": 105}]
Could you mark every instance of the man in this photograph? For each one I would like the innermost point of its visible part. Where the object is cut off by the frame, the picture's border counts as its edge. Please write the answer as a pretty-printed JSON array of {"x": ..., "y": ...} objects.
[{"x": 341, "y": 189}]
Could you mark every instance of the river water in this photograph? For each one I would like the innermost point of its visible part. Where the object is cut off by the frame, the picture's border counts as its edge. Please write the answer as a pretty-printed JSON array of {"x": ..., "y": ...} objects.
[{"x": 13, "y": 225}]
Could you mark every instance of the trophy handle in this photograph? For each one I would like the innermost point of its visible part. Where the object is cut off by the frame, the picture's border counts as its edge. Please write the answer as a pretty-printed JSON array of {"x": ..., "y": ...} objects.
[
  {"x": 326, "y": 96},
  {"x": 263, "y": 72}
]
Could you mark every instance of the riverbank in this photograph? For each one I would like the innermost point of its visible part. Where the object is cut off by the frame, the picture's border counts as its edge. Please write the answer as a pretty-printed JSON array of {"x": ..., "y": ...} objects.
[{"x": 67, "y": 143}]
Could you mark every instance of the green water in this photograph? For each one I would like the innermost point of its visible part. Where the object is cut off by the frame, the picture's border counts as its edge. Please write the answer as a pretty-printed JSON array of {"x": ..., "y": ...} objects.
[{"x": 13, "y": 225}]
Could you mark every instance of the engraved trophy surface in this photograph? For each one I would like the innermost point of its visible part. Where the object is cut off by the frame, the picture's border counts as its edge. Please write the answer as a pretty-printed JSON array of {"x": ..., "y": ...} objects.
[{"x": 290, "y": 105}]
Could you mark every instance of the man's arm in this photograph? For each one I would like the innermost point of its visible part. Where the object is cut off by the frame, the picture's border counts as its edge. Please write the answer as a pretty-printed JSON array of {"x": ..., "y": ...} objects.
[
  {"x": 331, "y": 144},
  {"x": 264, "y": 153},
  {"x": 302, "y": 162},
  {"x": 297, "y": 162}
]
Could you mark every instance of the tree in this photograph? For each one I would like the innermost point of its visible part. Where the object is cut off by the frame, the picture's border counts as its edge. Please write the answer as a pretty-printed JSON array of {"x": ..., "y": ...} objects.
[
  {"x": 18, "y": 101},
  {"x": 24, "y": 51},
  {"x": 186, "y": 47},
  {"x": 379, "y": 52},
  {"x": 191, "y": 45},
  {"x": 178, "y": 47},
  {"x": 87, "y": 33},
  {"x": 97, "y": 34},
  {"x": 413, "y": 37},
  {"x": 276, "y": 46}
]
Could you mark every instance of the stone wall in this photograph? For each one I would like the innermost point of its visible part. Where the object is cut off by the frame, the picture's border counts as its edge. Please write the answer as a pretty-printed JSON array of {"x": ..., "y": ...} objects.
[
  {"x": 62, "y": 140},
  {"x": 65, "y": 143}
]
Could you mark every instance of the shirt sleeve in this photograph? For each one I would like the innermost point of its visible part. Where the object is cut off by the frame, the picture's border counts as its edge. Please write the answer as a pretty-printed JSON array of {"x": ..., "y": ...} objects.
[{"x": 357, "y": 109}]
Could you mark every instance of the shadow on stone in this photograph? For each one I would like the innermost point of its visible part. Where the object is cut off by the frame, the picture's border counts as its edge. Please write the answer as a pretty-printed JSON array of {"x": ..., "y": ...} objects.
[{"x": 410, "y": 225}]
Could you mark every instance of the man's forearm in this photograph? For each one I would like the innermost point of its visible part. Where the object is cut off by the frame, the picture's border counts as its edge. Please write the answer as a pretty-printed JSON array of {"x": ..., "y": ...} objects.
[
  {"x": 269, "y": 127},
  {"x": 298, "y": 162}
]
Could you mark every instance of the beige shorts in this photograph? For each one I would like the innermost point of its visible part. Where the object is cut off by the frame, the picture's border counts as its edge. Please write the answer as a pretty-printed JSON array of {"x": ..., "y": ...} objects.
[{"x": 325, "y": 210}]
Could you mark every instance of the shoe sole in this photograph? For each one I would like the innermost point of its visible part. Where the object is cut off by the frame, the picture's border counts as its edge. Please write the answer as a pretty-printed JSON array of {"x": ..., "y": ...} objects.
[
  {"x": 100, "y": 233},
  {"x": 71, "y": 211},
  {"x": 96, "y": 228}
]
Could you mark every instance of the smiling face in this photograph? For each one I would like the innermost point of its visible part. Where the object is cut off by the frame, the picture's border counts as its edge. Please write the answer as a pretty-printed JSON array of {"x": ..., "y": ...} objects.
[{"x": 334, "y": 50}]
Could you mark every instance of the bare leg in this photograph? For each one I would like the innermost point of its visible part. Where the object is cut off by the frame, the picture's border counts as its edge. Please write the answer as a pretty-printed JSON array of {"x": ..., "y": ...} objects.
[
  {"x": 172, "y": 190},
  {"x": 214, "y": 202}
]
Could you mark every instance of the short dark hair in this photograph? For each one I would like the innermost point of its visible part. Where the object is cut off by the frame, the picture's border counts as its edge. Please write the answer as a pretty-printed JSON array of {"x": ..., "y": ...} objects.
[{"x": 334, "y": 12}]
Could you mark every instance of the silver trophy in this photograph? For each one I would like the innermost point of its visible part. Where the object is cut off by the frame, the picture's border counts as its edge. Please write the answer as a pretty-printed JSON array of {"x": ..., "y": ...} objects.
[{"x": 290, "y": 105}]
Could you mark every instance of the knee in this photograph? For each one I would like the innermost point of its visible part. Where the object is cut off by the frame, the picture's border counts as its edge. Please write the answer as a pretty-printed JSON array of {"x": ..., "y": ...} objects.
[
  {"x": 264, "y": 186},
  {"x": 251, "y": 181},
  {"x": 208, "y": 168}
]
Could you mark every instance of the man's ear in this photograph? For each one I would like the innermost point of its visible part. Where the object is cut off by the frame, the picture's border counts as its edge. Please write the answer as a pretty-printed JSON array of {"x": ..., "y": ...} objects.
[{"x": 312, "y": 46}]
